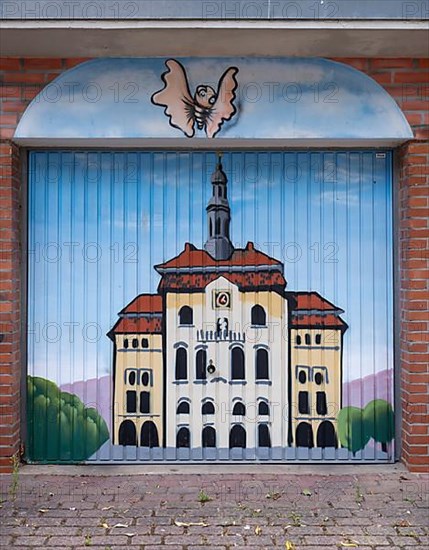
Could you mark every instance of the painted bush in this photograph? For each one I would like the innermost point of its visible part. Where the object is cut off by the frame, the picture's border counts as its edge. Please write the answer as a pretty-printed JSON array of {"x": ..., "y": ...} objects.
[
  {"x": 60, "y": 427},
  {"x": 357, "y": 426}
]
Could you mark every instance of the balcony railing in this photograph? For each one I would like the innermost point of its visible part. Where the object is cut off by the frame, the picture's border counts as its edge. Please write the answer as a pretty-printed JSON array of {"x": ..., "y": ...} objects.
[{"x": 220, "y": 336}]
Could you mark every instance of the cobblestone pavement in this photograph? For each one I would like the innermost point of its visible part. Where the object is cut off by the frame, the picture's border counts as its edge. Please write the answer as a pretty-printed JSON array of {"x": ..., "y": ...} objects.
[{"x": 367, "y": 511}]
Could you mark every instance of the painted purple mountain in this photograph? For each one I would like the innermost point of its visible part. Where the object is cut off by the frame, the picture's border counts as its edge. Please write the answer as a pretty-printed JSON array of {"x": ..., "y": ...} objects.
[
  {"x": 358, "y": 393},
  {"x": 96, "y": 393}
]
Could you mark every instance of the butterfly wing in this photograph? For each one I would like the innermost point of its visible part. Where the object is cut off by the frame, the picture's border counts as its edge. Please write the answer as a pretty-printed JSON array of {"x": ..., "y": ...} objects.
[
  {"x": 176, "y": 98},
  {"x": 223, "y": 108}
]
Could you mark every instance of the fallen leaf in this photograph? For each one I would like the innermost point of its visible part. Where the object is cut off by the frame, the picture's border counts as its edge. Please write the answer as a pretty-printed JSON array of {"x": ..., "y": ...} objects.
[
  {"x": 190, "y": 524},
  {"x": 120, "y": 525},
  {"x": 349, "y": 543},
  {"x": 258, "y": 510},
  {"x": 130, "y": 534},
  {"x": 72, "y": 508},
  {"x": 247, "y": 527},
  {"x": 43, "y": 510},
  {"x": 105, "y": 525},
  {"x": 289, "y": 545},
  {"x": 307, "y": 492},
  {"x": 273, "y": 496},
  {"x": 258, "y": 530},
  {"x": 105, "y": 508}
]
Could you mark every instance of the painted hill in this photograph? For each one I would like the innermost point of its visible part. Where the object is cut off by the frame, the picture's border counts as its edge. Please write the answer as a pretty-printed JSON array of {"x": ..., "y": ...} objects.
[
  {"x": 97, "y": 393},
  {"x": 358, "y": 393}
]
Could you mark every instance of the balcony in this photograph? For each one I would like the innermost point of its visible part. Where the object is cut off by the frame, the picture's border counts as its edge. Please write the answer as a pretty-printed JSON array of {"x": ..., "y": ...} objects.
[{"x": 220, "y": 336}]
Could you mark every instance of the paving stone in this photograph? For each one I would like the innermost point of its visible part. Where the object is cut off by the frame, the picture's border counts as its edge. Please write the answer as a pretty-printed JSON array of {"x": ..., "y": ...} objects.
[{"x": 392, "y": 515}]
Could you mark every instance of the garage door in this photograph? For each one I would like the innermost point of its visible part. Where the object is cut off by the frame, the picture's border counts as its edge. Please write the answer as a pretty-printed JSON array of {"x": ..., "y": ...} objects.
[{"x": 207, "y": 307}]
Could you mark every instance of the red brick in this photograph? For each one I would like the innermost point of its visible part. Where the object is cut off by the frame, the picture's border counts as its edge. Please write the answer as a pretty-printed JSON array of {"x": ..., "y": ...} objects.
[{"x": 42, "y": 63}]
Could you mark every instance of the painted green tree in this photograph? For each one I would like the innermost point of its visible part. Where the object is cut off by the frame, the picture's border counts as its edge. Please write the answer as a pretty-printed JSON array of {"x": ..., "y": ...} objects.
[
  {"x": 60, "y": 427},
  {"x": 357, "y": 426},
  {"x": 351, "y": 429},
  {"x": 379, "y": 420}
]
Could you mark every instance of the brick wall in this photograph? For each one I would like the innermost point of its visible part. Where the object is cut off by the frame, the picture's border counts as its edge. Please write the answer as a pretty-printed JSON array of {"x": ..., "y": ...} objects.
[{"x": 407, "y": 80}]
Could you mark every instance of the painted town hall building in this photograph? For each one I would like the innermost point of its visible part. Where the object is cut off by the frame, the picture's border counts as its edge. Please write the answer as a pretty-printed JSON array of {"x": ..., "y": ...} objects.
[{"x": 223, "y": 356}]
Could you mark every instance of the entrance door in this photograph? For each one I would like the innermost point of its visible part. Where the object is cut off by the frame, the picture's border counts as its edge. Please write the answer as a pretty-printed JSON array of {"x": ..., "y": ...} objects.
[{"x": 192, "y": 306}]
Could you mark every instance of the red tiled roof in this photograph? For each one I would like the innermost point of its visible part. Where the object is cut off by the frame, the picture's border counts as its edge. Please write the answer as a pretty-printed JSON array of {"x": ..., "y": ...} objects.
[
  {"x": 144, "y": 303},
  {"x": 193, "y": 257},
  {"x": 138, "y": 325},
  {"x": 312, "y": 301},
  {"x": 317, "y": 321},
  {"x": 250, "y": 280}
]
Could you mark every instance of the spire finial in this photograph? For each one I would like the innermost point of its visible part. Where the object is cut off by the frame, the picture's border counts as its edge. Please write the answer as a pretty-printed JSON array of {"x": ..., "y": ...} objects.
[{"x": 219, "y": 160}]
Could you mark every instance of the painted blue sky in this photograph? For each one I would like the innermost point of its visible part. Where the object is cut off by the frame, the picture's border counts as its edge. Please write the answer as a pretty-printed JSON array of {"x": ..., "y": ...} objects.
[
  {"x": 281, "y": 98},
  {"x": 100, "y": 221}
]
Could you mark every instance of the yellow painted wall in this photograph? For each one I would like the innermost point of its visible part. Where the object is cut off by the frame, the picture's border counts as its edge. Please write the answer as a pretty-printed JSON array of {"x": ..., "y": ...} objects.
[
  {"x": 149, "y": 358},
  {"x": 327, "y": 354}
]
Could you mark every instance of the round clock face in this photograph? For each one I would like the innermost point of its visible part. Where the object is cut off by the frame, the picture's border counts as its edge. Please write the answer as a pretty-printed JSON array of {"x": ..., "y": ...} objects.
[{"x": 223, "y": 299}]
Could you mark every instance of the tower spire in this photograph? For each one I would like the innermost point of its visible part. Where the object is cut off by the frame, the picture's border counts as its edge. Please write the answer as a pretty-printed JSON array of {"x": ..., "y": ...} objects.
[{"x": 218, "y": 243}]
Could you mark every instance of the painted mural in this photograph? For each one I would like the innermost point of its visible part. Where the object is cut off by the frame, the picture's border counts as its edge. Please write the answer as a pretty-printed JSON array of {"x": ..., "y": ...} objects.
[
  {"x": 220, "y": 351},
  {"x": 253, "y": 289}
]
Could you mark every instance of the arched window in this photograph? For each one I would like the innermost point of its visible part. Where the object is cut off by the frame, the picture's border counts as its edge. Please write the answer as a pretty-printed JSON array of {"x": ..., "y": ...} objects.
[
  {"x": 318, "y": 339},
  {"x": 307, "y": 339},
  {"x": 298, "y": 340},
  {"x": 186, "y": 316},
  {"x": 145, "y": 378},
  {"x": 237, "y": 364},
  {"x": 126, "y": 343},
  {"x": 304, "y": 435},
  {"x": 326, "y": 436},
  {"x": 207, "y": 408},
  {"x": 262, "y": 364},
  {"x": 132, "y": 378},
  {"x": 263, "y": 408},
  {"x": 149, "y": 435},
  {"x": 181, "y": 364},
  {"x": 258, "y": 316},
  {"x": 237, "y": 437},
  {"x": 201, "y": 365},
  {"x": 226, "y": 228},
  {"x": 127, "y": 433},
  {"x": 135, "y": 343},
  {"x": 302, "y": 376},
  {"x": 264, "y": 438},
  {"x": 209, "y": 437},
  {"x": 210, "y": 227},
  {"x": 318, "y": 378},
  {"x": 145, "y": 343},
  {"x": 183, "y": 438},
  {"x": 183, "y": 408},
  {"x": 239, "y": 410}
]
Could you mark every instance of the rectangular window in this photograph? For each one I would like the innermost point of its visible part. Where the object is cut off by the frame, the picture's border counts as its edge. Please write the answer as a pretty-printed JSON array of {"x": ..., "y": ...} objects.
[
  {"x": 303, "y": 402},
  {"x": 144, "y": 402},
  {"x": 131, "y": 401},
  {"x": 321, "y": 405}
]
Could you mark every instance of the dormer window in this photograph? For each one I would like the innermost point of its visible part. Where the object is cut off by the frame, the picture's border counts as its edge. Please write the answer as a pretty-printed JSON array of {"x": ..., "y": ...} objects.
[
  {"x": 186, "y": 316},
  {"x": 258, "y": 316}
]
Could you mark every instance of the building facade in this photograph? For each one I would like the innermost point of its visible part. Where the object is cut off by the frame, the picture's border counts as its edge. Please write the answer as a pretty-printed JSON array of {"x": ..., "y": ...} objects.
[{"x": 223, "y": 356}]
